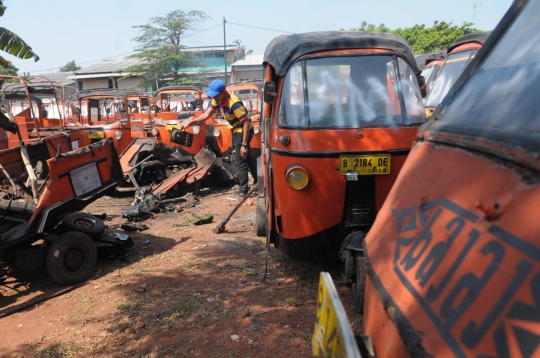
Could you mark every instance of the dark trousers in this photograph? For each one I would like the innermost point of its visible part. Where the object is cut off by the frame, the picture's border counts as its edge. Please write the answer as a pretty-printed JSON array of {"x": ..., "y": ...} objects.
[{"x": 243, "y": 164}]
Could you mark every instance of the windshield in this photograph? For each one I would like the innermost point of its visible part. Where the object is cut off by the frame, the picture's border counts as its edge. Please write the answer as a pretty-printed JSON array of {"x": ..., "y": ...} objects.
[
  {"x": 452, "y": 68},
  {"x": 430, "y": 75},
  {"x": 502, "y": 93},
  {"x": 350, "y": 92}
]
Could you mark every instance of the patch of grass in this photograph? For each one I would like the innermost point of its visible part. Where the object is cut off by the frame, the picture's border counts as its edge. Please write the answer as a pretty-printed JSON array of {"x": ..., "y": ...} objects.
[
  {"x": 358, "y": 324},
  {"x": 126, "y": 305},
  {"x": 56, "y": 350},
  {"x": 277, "y": 256},
  {"x": 87, "y": 304},
  {"x": 291, "y": 301},
  {"x": 304, "y": 336},
  {"x": 249, "y": 273},
  {"x": 308, "y": 278},
  {"x": 188, "y": 306},
  {"x": 247, "y": 313}
]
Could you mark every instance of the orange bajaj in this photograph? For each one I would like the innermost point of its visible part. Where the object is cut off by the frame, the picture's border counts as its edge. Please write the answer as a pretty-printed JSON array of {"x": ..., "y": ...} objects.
[
  {"x": 454, "y": 255},
  {"x": 341, "y": 113}
]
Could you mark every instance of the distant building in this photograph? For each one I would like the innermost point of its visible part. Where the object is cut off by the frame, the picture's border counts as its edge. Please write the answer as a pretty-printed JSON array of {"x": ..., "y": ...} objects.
[
  {"x": 248, "y": 68},
  {"x": 208, "y": 63}
]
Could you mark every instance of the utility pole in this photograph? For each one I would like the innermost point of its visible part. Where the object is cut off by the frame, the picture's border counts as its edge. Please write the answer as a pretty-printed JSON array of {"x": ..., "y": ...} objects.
[
  {"x": 475, "y": 5},
  {"x": 225, "y": 49}
]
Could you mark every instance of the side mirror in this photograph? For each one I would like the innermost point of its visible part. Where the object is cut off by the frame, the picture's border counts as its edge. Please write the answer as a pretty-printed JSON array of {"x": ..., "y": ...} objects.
[
  {"x": 270, "y": 92},
  {"x": 422, "y": 84}
]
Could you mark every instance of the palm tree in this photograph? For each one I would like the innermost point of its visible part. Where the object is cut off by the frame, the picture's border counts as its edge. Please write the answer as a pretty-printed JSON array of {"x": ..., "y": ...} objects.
[{"x": 13, "y": 44}]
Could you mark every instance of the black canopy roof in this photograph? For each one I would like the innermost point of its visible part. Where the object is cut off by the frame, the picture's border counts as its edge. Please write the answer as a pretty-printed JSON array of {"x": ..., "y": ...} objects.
[
  {"x": 424, "y": 58},
  {"x": 283, "y": 50},
  {"x": 111, "y": 93},
  {"x": 177, "y": 88},
  {"x": 474, "y": 37}
]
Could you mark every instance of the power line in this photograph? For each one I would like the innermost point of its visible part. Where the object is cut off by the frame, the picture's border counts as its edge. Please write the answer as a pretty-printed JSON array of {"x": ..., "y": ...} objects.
[
  {"x": 122, "y": 54},
  {"x": 260, "y": 28},
  {"x": 196, "y": 32}
]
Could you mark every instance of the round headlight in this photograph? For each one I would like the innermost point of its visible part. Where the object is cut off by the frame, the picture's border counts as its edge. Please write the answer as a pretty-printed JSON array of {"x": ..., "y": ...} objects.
[
  {"x": 297, "y": 177},
  {"x": 154, "y": 131},
  {"x": 117, "y": 135},
  {"x": 196, "y": 129},
  {"x": 217, "y": 132},
  {"x": 256, "y": 129}
]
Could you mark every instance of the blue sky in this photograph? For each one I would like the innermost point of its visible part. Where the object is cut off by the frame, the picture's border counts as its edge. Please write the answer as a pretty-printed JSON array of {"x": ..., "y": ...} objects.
[{"x": 90, "y": 30}]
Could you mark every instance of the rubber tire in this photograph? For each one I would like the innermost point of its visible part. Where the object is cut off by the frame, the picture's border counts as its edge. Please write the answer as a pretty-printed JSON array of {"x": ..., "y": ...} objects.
[
  {"x": 260, "y": 218},
  {"x": 64, "y": 245},
  {"x": 94, "y": 232},
  {"x": 359, "y": 283}
]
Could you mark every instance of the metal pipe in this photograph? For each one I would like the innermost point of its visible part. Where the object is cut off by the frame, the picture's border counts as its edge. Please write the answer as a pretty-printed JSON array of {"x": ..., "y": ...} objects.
[
  {"x": 225, "y": 49},
  {"x": 31, "y": 174},
  {"x": 10, "y": 179}
]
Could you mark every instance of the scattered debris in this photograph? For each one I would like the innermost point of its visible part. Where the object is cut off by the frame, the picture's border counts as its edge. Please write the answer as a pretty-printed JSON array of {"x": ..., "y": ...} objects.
[
  {"x": 222, "y": 224},
  {"x": 133, "y": 227},
  {"x": 137, "y": 213},
  {"x": 205, "y": 219},
  {"x": 235, "y": 337}
]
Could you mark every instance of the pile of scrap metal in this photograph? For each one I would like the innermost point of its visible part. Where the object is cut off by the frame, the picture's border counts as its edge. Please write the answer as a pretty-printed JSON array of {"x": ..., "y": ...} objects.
[
  {"x": 41, "y": 225},
  {"x": 161, "y": 175}
]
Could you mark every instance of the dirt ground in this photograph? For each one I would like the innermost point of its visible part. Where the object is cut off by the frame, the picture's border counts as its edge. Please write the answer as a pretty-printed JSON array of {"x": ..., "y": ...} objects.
[{"x": 181, "y": 291}]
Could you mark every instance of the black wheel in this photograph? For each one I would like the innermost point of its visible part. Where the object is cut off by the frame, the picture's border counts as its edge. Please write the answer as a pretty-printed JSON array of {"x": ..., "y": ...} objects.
[
  {"x": 85, "y": 223},
  {"x": 71, "y": 258},
  {"x": 260, "y": 218},
  {"x": 359, "y": 282}
]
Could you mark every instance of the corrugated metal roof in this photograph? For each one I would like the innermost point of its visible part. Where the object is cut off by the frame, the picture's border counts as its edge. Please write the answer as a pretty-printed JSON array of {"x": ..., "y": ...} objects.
[
  {"x": 250, "y": 60},
  {"x": 109, "y": 66},
  {"x": 99, "y": 75}
]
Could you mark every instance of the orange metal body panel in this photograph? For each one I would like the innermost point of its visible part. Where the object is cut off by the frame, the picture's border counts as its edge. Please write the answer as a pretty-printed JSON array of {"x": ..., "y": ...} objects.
[
  {"x": 224, "y": 140},
  {"x": 59, "y": 185},
  {"x": 4, "y": 139},
  {"x": 255, "y": 110},
  {"x": 455, "y": 252},
  {"x": 108, "y": 132},
  {"x": 384, "y": 335},
  {"x": 256, "y": 141},
  {"x": 199, "y": 140},
  {"x": 320, "y": 205}
]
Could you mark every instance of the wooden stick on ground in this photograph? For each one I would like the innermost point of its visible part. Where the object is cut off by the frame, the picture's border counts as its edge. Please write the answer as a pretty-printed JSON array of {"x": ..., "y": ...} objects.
[{"x": 222, "y": 224}]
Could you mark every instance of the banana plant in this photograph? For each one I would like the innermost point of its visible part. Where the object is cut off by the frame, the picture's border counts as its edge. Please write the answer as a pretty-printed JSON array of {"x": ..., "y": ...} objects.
[{"x": 13, "y": 44}]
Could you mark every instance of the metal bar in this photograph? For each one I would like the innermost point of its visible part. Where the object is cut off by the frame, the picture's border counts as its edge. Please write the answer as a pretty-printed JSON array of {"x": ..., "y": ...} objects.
[{"x": 225, "y": 49}]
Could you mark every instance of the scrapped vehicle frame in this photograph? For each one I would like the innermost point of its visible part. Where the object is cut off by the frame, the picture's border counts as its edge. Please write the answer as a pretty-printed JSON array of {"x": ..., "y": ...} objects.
[
  {"x": 50, "y": 231},
  {"x": 251, "y": 95},
  {"x": 27, "y": 102}
]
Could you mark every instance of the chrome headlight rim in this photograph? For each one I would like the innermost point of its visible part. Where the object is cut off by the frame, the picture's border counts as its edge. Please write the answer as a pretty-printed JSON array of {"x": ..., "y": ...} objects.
[
  {"x": 217, "y": 132},
  {"x": 154, "y": 131},
  {"x": 196, "y": 129},
  {"x": 256, "y": 129},
  {"x": 117, "y": 135}
]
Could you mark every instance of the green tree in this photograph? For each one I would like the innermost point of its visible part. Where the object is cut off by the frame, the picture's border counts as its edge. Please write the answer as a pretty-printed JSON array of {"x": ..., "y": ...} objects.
[
  {"x": 160, "y": 47},
  {"x": 239, "y": 43},
  {"x": 70, "y": 67},
  {"x": 422, "y": 38},
  {"x": 10, "y": 70},
  {"x": 371, "y": 28},
  {"x": 13, "y": 44}
]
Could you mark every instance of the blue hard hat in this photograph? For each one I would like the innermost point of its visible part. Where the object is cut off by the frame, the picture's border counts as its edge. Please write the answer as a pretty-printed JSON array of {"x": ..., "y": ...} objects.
[{"x": 215, "y": 88}]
